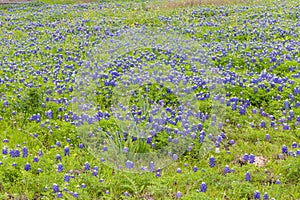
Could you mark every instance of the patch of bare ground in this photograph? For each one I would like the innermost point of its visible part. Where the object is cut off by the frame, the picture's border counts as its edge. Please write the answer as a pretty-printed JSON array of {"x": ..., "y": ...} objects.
[{"x": 260, "y": 161}]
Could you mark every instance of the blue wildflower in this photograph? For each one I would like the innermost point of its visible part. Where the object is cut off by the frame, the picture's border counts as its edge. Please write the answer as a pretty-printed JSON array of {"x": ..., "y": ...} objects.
[
  {"x": 55, "y": 188},
  {"x": 66, "y": 151},
  {"x": 247, "y": 176},
  {"x": 203, "y": 187},
  {"x": 60, "y": 167},
  {"x": 178, "y": 194},
  {"x": 212, "y": 161},
  {"x": 87, "y": 166},
  {"x": 266, "y": 196},
  {"x": 27, "y": 167},
  {"x": 25, "y": 152},
  {"x": 284, "y": 149},
  {"x": 256, "y": 195}
]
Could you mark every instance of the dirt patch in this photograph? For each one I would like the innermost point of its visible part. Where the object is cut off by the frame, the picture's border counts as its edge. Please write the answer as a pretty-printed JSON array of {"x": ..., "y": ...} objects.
[{"x": 260, "y": 161}]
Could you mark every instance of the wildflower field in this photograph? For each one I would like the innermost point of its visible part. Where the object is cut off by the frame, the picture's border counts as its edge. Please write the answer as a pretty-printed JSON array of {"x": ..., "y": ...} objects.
[{"x": 150, "y": 100}]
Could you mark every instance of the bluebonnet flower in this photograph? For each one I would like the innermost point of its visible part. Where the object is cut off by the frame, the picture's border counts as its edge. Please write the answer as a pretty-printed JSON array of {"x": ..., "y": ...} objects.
[
  {"x": 129, "y": 164},
  {"x": 36, "y": 159},
  {"x": 286, "y": 104},
  {"x": 81, "y": 146},
  {"x": 4, "y": 150},
  {"x": 158, "y": 174},
  {"x": 247, "y": 176},
  {"x": 195, "y": 168},
  {"x": 17, "y": 153},
  {"x": 75, "y": 195},
  {"x": 203, "y": 187},
  {"x": 149, "y": 140},
  {"x": 254, "y": 111},
  {"x": 55, "y": 188},
  {"x": 284, "y": 149},
  {"x": 67, "y": 178},
  {"x": 27, "y": 167},
  {"x": 58, "y": 158},
  {"x": 40, "y": 154},
  {"x": 12, "y": 153},
  {"x": 60, "y": 167},
  {"x": 87, "y": 166},
  {"x": 266, "y": 196},
  {"x": 292, "y": 113},
  {"x": 95, "y": 172},
  {"x": 251, "y": 158},
  {"x": 178, "y": 170},
  {"x": 59, "y": 195},
  {"x": 178, "y": 194},
  {"x": 175, "y": 157},
  {"x": 246, "y": 157},
  {"x": 96, "y": 168},
  {"x": 125, "y": 150},
  {"x": 105, "y": 148},
  {"x": 256, "y": 195},
  {"x": 151, "y": 166},
  {"x": 262, "y": 124},
  {"x": 286, "y": 126},
  {"x": 212, "y": 161},
  {"x": 226, "y": 170},
  {"x": 201, "y": 138},
  {"x": 66, "y": 151},
  {"x": 25, "y": 152}
]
